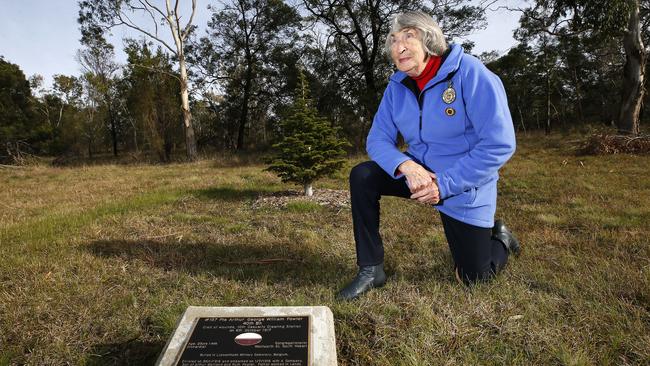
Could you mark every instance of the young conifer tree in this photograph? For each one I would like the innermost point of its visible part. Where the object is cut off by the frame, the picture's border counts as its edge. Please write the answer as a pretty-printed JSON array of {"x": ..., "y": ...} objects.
[{"x": 310, "y": 148}]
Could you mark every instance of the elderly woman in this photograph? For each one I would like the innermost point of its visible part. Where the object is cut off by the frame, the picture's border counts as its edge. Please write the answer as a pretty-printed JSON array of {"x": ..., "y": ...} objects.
[{"x": 453, "y": 114}]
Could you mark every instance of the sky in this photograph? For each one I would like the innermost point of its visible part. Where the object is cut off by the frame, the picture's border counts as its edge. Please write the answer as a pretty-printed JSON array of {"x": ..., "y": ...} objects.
[{"x": 42, "y": 36}]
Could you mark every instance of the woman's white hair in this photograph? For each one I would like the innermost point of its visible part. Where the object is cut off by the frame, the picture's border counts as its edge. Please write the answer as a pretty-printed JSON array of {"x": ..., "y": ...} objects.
[{"x": 430, "y": 34}]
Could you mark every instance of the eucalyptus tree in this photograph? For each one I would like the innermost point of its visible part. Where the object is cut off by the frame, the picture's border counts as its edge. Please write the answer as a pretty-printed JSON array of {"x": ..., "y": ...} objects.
[
  {"x": 151, "y": 94},
  {"x": 244, "y": 38},
  {"x": 95, "y": 16},
  {"x": 68, "y": 89},
  {"x": 61, "y": 107},
  {"x": 93, "y": 114},
  {"x": 58, "y": 107},
  {"x": 100, "y": 71},
  {"x": 520, "y": 80},
  {"x": 546, "y": 41}
]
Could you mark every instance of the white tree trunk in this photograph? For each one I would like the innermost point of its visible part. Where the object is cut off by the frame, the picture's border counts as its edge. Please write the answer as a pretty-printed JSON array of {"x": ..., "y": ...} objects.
[
  {"x": 633, "y": 74},
  {"x": 173, "y": 19},
  {"x": 309, "y": 190},
  {"x": 190, "y": 139}
]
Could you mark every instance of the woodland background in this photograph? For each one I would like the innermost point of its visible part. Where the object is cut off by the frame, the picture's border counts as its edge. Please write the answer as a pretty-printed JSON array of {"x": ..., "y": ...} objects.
[{"x": 577, "y": 63}]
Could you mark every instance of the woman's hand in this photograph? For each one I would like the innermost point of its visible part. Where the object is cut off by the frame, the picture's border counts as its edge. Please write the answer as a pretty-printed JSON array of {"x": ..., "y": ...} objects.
[
  {"x": 430, "y": 194},
  {"x": 416, "y": 176}
]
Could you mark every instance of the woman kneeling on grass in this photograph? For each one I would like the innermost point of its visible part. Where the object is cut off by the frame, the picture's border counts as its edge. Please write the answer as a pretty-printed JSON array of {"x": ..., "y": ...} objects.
[{"x": 453, "y": 114}]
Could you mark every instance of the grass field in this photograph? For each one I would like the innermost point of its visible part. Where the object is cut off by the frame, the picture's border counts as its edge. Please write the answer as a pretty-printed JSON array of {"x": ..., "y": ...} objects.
[{"x": 97, "y": 263}]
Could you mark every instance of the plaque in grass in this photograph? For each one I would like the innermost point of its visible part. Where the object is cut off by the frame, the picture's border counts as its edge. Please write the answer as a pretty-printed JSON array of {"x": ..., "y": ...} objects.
[{"x": 246, "y": 336}]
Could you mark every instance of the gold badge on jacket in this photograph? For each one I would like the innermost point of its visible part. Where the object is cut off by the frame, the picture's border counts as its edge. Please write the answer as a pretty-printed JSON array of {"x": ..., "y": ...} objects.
[{"x": 449, "y": 95}]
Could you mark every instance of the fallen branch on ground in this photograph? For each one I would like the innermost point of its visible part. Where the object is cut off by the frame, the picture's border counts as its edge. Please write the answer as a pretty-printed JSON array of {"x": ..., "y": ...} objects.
[{"x": 603, "y": 144}]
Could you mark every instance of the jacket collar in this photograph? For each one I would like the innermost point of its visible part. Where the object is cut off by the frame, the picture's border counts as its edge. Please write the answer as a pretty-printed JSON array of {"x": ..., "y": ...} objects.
[{"x": 449, "y": 65}]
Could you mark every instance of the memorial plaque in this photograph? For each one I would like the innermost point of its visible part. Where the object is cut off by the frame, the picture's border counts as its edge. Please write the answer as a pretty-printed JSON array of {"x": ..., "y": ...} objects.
[
  {"x": 252, "y": 336},
  {"x": 260, "y": 341}
]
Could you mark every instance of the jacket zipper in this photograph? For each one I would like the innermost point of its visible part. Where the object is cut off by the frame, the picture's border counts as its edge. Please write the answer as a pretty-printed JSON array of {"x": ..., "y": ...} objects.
[
  {"x": 420, "y": 106},
  {"x": 426, "y": 150}
]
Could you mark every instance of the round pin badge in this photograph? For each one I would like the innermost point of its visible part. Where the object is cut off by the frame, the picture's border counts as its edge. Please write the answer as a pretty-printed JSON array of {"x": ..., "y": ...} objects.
[{"x": 449, "y": 95}]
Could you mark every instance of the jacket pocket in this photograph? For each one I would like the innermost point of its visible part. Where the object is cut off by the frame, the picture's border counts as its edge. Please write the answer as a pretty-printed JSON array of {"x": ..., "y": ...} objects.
[{"x": 471, "y": 197}]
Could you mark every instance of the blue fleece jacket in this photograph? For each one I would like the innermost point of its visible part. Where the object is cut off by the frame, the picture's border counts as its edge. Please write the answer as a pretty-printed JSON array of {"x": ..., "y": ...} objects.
[{"x": 465, "y": 149}]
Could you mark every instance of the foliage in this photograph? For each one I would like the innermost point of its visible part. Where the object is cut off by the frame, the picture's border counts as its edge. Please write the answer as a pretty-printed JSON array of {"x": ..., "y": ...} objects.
[
  {"x": 98, "y": 16},
  {"x": 62, "y": 107},
  {"x": 566, "y": 71},
  {"x": 152, "y": 99},
  {"x": 310, "y": 148},
  {"x": 584, "y": 70},
  {"x": 20, "y": 128},
  {"x": 100, "y": 76},
  {"x": 569, "y": 81},
  {"x": 250, "y": 46}
]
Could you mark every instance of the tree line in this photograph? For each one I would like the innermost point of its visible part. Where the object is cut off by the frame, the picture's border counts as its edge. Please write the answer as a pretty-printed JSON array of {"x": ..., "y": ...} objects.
[{"x": 231, "y": 86}]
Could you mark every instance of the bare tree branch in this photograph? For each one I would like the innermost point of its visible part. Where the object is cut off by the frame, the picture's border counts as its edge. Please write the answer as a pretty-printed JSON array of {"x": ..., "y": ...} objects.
[
  {"x": 153, "y": 18},
  {"x": 132, "y": 25},
  {"x": 186, "y": 31},
  {"x": 155, "y": 8}
]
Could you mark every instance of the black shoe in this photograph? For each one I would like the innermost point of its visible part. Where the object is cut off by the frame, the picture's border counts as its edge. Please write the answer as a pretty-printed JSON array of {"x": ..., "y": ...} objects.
[
  {"x": 367, "y": 278},
  {"x": 501, "y": 233}
]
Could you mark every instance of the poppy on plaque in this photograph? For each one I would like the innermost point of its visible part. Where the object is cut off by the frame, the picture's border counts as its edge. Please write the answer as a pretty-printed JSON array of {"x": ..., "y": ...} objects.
[{"x": 248, "y": 339}]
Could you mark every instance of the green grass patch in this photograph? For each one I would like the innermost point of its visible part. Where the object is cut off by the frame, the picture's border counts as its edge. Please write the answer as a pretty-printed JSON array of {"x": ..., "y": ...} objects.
[
  {"x": 303, "y": 206},
  {"x": 49, "y": 228}
]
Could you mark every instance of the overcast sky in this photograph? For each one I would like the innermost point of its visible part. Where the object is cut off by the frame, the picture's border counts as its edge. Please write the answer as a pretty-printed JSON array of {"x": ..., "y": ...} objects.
[{"x": 42, "y": 36}]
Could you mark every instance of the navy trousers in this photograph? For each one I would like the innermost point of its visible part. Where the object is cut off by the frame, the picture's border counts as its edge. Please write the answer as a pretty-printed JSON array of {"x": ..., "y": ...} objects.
[{"x": 476, "y": 255}]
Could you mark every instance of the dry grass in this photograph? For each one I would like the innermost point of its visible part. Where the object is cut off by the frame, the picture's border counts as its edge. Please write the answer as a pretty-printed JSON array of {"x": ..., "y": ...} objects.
[{"x": 97, "y": 263}]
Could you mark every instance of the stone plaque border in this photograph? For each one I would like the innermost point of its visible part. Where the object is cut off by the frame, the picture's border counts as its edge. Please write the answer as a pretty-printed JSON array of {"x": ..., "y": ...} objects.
[{"x": 322, "y": 341}]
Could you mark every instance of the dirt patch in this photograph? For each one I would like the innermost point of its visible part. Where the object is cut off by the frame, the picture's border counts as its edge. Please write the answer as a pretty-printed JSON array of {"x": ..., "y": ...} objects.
[{"x": 333, "y": 198}]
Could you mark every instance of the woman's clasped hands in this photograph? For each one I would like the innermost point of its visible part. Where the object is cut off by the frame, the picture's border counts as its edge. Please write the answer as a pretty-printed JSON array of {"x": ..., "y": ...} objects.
[{"x": 421, "y": 182}]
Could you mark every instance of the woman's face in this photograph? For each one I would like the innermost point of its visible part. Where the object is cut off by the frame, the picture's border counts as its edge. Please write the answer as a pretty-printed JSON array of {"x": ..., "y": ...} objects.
[{"x": 407, "y": 51}]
